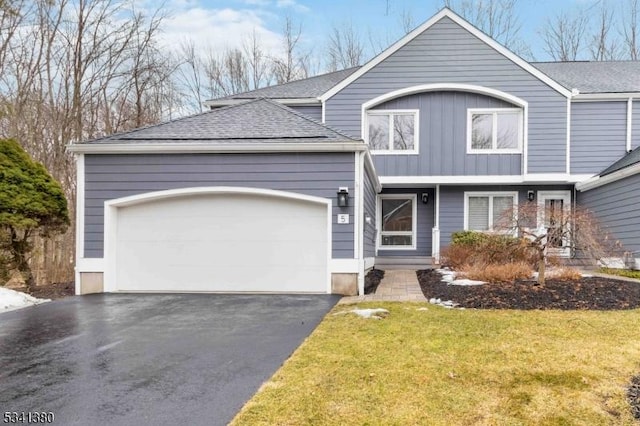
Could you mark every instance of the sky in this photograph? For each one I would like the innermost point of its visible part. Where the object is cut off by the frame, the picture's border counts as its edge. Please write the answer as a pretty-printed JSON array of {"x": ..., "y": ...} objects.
[{"x": 218, "y": 24}]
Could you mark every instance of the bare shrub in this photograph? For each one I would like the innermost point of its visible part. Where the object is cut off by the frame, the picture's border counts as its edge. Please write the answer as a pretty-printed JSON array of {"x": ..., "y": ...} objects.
[
  {"x": 456, "y": 255},
  {"x": 498, "y": 273},
  {"x": 564, "y": 274}
]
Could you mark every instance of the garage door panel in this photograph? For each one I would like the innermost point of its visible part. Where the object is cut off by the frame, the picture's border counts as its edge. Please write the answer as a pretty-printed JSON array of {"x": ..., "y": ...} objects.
[{"x": 222, "y": 242}]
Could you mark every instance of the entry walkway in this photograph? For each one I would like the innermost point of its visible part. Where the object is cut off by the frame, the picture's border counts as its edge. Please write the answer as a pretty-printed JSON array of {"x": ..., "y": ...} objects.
[{"x": 397, "y": 286}]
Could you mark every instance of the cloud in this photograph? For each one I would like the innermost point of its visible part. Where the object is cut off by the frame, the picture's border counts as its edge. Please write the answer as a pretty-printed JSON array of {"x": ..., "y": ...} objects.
[
  {"x": 217, "y": 29},
  {"x": 292, "y": 4}
]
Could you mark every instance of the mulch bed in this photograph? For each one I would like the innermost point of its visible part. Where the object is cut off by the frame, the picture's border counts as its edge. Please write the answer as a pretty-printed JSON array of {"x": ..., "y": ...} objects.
[
  {"x": 53, "y": 291},
  {"x": 588, "y": 293},
  {"x": 372, "y": 279}
]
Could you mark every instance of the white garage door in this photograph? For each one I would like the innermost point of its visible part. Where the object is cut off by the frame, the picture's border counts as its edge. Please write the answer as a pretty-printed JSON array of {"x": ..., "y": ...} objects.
[{"x": 227, "y": 242}]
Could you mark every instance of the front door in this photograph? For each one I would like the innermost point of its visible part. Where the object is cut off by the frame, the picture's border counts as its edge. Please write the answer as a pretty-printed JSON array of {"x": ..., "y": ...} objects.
[{"x": 553, "y": 208}]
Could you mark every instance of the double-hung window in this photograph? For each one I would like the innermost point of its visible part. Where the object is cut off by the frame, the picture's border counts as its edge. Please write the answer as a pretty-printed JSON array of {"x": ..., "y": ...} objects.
[
  {"x": 397, "y": 221},
  {"x": 494, "y": 131},
  {"x": 484, "y": 210},
  {"x": 392, "y": 131}
]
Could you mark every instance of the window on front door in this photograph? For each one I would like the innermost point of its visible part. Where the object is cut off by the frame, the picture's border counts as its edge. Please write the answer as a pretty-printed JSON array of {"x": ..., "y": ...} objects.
[{"x": 397, "y": 226}]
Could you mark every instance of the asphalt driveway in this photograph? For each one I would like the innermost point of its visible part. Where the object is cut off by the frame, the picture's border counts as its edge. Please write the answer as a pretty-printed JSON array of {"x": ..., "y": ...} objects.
[{"x": 123, "y": 359}]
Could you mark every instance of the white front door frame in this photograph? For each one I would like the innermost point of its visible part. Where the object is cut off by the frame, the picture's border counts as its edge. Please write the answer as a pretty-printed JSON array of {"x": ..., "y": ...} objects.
[{"x": 565, "y": 196}]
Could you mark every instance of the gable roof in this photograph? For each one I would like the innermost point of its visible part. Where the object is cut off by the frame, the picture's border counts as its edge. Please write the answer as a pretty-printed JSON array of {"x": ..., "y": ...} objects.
[
  {"x": 629, "y": 159},
  {"x": 307, "y": 88},
  {"x": 595, "y": 77},
  {"x": 253, "y": 121},
  {"x": 446, "y": 12}
]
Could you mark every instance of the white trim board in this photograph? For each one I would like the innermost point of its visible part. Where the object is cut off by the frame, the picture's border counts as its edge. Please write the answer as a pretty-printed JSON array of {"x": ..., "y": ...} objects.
[
  {"x": 283, "y": 101},
  {"x": 80, "y": 189},
  {"x": 484, "y": 180},
  {"x": 598, "y": 181},
  {"x": 467, "y": 26},
  {"x": 214, "y": 147}
]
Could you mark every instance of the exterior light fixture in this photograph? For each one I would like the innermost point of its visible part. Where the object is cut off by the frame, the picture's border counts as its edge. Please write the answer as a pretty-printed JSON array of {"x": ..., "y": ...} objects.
[
  {"x": 425, "y": 197},
  {"x": 531, "y": 195},
  {"x": 343, "y": 196}
]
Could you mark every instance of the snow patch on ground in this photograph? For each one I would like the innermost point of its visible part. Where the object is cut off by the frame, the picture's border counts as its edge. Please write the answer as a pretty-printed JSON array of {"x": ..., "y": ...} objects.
[
  {"x": 449, "y": 277},
  {"x": 449, "y": 304},
  {"x": 11, "y": 300},
  {"x": 375, "y": 313}
]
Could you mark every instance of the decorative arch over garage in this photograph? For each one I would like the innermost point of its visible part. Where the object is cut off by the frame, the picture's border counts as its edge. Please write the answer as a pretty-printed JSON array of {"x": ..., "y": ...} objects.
[{"x": 237, "y": 239}]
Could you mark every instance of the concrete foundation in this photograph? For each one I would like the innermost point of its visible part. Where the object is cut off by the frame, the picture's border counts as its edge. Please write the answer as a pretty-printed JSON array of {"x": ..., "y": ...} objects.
[
  {"x": 344, "y": 284},
  {"x": 91, "y": 282}
]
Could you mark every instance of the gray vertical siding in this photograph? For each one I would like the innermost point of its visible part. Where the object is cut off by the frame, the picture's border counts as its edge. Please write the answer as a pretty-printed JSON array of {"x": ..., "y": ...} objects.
[
  {"x": 114, "y": 176},
  {"x": 635, "y": 126},
  {"x": 425, "y": 221},
  {"x": 598, "y": 135},
  {"x": 314, "y": 112},
  {"x": 452, "y": 204},
  {"x": 447, "y": 53},
  {"x": 369, "y": 208},
  {"x": 616, "y": 207},
  {"x": 443, "y": 138}
]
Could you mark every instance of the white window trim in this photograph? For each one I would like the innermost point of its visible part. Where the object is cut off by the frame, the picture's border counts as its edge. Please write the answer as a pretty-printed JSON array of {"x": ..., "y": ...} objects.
[
  {"x": 490, "y": 194},
  {"x": 391, "y": 112},
  {"x": 414, "y": 220},
  {"x": 495, "y": 112}
]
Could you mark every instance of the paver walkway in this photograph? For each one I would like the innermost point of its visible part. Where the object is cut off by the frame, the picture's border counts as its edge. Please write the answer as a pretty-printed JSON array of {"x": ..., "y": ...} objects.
[{"x": 397, "y": 286}]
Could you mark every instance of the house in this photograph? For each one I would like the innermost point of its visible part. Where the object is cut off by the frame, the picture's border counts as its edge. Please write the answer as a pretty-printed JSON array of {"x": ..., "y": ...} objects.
[{"x": 304, "y": 186}]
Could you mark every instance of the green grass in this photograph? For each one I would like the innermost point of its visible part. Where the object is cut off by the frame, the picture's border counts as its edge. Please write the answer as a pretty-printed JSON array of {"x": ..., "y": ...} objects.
[
  {"x": 621, "y": 272},
  {"x": 450, "y": 367}
]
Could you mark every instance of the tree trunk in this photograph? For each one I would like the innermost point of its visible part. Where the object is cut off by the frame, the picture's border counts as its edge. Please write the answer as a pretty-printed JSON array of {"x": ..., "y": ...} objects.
[{"x": 541, "y": 271}]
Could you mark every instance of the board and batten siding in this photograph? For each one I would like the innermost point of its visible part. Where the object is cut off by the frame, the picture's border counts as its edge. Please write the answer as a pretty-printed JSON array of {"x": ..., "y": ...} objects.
[
  {"x": 310, "y": 111},
  {"x": 598, "y": 135},
  {"x": 109, "y": 177},
  {"x": 635, "y": 126},
  {"x": 452, "y": 204},
  {"x": 369, "y": 209},
  {"x": 442, "y": 149},
  {"x": 616, "y": 207},
  {"x": 447, "y": 53},
  {"x": 425, "y": 222}
]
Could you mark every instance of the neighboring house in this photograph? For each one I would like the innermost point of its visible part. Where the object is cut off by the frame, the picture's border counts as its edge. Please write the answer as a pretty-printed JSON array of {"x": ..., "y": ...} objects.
[{"x": 374, "y": 165}]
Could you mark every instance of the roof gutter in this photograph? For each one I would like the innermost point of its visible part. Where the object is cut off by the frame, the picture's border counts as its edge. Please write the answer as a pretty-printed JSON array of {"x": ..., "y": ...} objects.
[
  {"x": 284, "y": 101},
  {"x": 162, "y": 148},
  {"x": 598, "y": 181},
  {"x": 585, "y": 97}
]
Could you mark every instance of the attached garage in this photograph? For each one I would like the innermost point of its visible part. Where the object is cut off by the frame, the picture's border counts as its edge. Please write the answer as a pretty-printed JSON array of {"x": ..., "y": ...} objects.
[{"x": 218, "y": 239}]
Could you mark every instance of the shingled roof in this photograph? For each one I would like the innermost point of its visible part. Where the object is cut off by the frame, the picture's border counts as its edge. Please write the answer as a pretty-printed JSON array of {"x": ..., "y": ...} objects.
[
  {"x": 628, "y": 160},
  {"x": 594, "y": 77},
  {"x": 253, "y": 121},
  {"x": 311, "y": 87}
]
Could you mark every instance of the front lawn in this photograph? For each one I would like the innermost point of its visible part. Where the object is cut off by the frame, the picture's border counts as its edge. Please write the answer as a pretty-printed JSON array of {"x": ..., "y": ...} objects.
[{"x": 424, "y": 364}]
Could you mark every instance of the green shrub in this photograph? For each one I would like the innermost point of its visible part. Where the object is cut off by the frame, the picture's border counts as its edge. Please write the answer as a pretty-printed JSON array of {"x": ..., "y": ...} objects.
[{"x": 468, "y": 238}]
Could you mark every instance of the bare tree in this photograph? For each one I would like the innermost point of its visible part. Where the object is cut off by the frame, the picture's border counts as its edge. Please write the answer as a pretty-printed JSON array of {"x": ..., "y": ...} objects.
[
  {"x": 345, "y": 47},
  {"x": 257, "y": 62},
  {"x": 631, "y": 29},
  {"x": 293, "y": 64},
  {"x": 497, "y": 18},
  {"x": 553, "y": 228},
  {"x": 564, "y": 35},
  {"x": 604, "y": 46}
]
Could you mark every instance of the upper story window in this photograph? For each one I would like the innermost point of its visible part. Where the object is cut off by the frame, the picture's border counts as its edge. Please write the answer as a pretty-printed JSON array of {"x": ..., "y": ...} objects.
[
  {"x": 392, "y": 131},
  {"x": 494, "y": 131}
]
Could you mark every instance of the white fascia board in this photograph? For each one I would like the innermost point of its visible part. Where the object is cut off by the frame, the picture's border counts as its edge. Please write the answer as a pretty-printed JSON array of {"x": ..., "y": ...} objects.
[
  {"x": 283, "y": 101},
  {"x": 467, "y": 26},
  {"x": 561, "y": 178},
  {"x": 598, "y": 181},
  {"x": 595, "y": 97},
  {"x": 368, "y": 164},
  {"x": 80, "y": 186},
  {"x": 141, "y": 148}
]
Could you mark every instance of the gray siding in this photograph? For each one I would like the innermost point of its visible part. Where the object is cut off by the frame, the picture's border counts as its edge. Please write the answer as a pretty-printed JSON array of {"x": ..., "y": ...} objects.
[
  {"x": 447, "y": 53},
  {"x": 424, "y": 224},
  {"x": 314, "y": 112},
  {"x": 635, "y": 127},
  {"x": 616, "y": 207},
  {"x": 443, "y": 138},
  {"x": 115, "y": 176},
  {"x": 369, "y": 208},
  {"x": 452, "y": 204},
  {"x": 598, "y": 135}
]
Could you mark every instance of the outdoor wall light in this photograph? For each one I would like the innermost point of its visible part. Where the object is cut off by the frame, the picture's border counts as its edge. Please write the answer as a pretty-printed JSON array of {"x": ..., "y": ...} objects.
[
  {"x": 531, "y": 195},
  {"x": 367, "y": 219},
  {"x": 425, "y": 197},
  {"x": 343, "y": 196}
]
